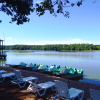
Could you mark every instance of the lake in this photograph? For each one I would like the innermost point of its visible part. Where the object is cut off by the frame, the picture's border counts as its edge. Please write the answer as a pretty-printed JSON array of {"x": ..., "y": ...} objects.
[{"x": 88, "y": 61}]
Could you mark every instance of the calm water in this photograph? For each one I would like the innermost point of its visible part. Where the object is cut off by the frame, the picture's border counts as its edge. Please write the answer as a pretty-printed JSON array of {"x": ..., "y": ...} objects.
[{"x": 88, "y": 61}]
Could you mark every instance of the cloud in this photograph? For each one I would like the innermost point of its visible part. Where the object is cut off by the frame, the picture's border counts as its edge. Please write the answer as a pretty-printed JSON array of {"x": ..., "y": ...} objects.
[
  {"x": 68, "y": 41},
  {"x": 84, "y": 41},
  {"x": 9, "y": 38},
  {"x": 73, "y": 41}
]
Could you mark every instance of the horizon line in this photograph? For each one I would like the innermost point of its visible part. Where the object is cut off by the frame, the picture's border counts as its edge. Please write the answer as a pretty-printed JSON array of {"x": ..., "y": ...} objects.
[{"x": 55, "y": 44}]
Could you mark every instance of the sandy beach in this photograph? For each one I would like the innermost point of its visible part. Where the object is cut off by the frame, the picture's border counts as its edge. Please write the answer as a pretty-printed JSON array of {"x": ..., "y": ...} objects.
[{"x": 13, "y": 92}]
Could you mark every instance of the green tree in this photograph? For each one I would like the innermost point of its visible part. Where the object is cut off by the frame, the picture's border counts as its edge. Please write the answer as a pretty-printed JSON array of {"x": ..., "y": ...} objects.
[
  {"x": 56, "y": 47},
  {"x": 20, "y": 9}
]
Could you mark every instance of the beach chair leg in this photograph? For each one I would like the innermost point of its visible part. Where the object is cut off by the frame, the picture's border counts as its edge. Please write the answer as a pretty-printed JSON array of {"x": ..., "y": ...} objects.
[
  {"x": 81, "y": 96},
  {"x": 35, "y": 80},
  {"x": 41, "y": 94},
  {"x": 2, "y": 79},
  {"x": 56, "y": 97},
  {"x": 53, "y": 88},
  {"x": 30, "y": 87},
  {"x": 12, "y": 77},
  {"x": 21, "y": 86}
]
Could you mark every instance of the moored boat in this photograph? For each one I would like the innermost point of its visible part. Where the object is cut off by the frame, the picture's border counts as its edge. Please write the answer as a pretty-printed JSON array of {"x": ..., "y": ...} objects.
[
  {"x": 20, "y": 65},
  {"x": 70, "y": 73},
  {"x": 62, "y": 71},
  {"x": 12, "y": 65},
  {"x": 72, "y": 76}
]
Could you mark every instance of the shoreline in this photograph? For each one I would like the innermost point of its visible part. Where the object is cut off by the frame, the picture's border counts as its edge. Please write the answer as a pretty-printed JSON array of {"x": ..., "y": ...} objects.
[{"x": 45, "y": 77}]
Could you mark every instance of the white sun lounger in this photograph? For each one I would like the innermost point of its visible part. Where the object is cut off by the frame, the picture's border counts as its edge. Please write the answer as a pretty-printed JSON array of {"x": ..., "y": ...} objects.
[
  {"x": 2, "y": 71},
  {"x": 41, "y": 88},
  {"x": 21, "y": 81},
  {"x": 65, "y": 93},
  {"x": 3, "y": 76},
  {"x": 95, "y": 94}
]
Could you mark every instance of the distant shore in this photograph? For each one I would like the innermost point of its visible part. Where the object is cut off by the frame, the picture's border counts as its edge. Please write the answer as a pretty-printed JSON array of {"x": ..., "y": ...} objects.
[
  {"x": 21, "y": 51},
  {"x": 55, "y": 47},
  {"x": 44, "y": 77}
]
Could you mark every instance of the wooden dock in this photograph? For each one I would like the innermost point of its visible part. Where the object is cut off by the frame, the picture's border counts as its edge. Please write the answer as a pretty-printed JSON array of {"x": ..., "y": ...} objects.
[
  {"x": 2, "y": 53},
  {"x": 3, "y": 56}
]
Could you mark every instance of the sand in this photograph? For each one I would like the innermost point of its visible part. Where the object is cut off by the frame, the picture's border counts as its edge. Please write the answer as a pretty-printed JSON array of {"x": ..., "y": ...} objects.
[{"x": 9, "y": 91}]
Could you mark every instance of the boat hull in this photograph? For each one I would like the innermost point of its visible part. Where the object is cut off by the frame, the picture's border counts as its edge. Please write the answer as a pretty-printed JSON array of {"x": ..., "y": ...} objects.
[{"x": 72, "y": 76}]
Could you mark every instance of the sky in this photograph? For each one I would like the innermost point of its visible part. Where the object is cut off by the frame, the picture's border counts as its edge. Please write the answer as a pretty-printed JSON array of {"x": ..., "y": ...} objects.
[{"x": 83, "y": 26}]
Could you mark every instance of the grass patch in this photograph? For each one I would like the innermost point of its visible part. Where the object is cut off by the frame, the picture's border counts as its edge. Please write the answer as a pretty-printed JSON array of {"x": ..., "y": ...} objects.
[
  {"x": 68, "y": 51},
  {"x": 76, "y": 50},
  {"x": 21, "y": 51}
]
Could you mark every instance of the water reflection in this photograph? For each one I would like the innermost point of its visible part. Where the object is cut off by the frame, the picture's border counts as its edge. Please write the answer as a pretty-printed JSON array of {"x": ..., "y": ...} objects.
[
  {"x": 2, "y": 62},
  {"x": 94, "y": 81},
  {"x": 79, "y": 55},
  {"x": 88, "y": 61},
  {"x": 67, "y": 55}
]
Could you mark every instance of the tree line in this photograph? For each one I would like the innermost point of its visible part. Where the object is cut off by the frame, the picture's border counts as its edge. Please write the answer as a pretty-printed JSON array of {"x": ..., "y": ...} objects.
[{"x": 55, "y": 47}]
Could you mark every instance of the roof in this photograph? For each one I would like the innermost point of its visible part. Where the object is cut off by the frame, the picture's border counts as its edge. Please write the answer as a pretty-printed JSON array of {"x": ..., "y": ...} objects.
[{"x": 1, "y": 40}]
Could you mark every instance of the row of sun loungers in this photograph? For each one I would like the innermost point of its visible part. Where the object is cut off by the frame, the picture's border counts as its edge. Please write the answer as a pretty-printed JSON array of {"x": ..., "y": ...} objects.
[
  {"x": 2, "y": 71},
  {"x": 4, "y": 75},
  {"x": 61, "y": 88}
]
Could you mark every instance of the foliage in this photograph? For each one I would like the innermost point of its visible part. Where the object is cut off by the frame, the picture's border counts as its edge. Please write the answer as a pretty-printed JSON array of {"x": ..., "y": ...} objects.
[
  {"x": 20, "y": 9},
  {"x": 56, "y": 47},
  {"x": 56, "y": 6}
]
